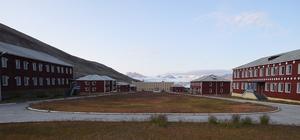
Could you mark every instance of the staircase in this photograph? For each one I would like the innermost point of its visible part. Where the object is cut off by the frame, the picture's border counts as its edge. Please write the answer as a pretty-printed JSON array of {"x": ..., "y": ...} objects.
[{"x": 260, "y": 97}]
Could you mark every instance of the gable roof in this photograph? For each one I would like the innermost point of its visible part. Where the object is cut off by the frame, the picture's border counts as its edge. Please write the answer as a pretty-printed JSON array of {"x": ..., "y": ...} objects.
[
  {"x": 283, "y": 57},
  {"x": 28, "y": 53},
  {"x": 210, "y": 78},
  {"x": 94, "y": 77},
  {"x": 108, "y": 78}
]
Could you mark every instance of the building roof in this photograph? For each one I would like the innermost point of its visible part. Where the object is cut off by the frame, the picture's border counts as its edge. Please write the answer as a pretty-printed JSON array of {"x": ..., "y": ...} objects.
[
  {"x": 94, "y": 77},
  {"x": 122, "y": 83},
  {"x": 283, "y": 57},
  {"x": 210, "y": 78},
  {"x": 108, "y": 78},
  {"x": 28, "y": 53}
]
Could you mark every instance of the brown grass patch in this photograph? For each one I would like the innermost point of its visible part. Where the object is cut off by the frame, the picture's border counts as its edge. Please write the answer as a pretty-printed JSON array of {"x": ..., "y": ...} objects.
[
  {"x": 152, "y": 103},
  {"x": 143, "y": 131}
]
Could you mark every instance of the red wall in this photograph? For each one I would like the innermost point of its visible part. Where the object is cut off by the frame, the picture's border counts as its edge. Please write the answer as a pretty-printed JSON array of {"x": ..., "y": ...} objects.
[
  {"x": 12, "y": 72},
  {"x": 123, "y": 88},
  {"x": 99, "y": 85}
]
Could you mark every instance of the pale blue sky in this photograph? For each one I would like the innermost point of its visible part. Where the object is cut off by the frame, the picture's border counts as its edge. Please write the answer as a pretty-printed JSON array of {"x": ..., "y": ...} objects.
[{"x": 159, "y": 36}]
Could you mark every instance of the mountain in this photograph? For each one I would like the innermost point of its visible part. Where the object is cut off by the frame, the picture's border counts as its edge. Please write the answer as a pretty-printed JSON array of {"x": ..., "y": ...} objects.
[
  {"x": 135, "y": 75},
  {"x": 81, "y": 66},
  {"x": 181, "y": 78}
]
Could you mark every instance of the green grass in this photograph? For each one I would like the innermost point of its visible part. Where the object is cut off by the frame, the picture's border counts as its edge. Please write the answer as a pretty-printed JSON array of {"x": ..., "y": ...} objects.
[
  {"x": 158, "y": 103},
  {"x": 143, "y": 131}
]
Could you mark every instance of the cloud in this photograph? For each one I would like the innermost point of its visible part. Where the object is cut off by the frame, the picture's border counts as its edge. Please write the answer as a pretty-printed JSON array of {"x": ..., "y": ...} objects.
[{"x": 244, "y": 19}]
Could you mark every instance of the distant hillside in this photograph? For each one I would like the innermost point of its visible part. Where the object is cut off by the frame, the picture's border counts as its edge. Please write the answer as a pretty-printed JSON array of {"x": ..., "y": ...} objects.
[{"x": 81, "y": 66}]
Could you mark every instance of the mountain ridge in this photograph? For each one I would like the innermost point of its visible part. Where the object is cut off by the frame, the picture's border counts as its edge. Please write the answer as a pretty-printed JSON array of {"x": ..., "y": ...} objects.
[{"x": 81, "y": 66}]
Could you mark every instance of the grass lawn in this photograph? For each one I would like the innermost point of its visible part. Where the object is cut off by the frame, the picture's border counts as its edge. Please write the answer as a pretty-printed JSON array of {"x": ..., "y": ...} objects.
[
  {"x": 147, "y": 102},
  {"x": 143, "y": 131}
]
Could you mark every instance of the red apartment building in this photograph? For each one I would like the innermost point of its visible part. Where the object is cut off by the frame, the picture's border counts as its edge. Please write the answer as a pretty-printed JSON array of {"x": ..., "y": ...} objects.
[
  {"x": 96, "y": 84},
  {"x": 210, "y": 85},
  {"x": 25, "y": 71},
  {"x": 178, "y": 88},
  {"x": 275, "y": 77}
]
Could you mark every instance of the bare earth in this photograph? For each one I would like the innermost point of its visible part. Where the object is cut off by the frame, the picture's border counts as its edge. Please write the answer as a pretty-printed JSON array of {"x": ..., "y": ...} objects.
[{"x": 151, "y": 103}]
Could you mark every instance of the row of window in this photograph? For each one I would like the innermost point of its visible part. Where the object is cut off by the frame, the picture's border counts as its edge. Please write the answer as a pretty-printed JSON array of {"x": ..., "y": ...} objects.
[
  {"x": 210, "y": 84},
  {"x": 280, "y": 87},
  {"x": 272, "y": 87},
  {"x": 36, "y": 66},
  {"x": 93, "y": 89},
  {"x": 36, "y": 81},
  {"x": 268, "y": 71},
  {"x": 87, "y": 83},
  {"x": 210, "y": 90}
]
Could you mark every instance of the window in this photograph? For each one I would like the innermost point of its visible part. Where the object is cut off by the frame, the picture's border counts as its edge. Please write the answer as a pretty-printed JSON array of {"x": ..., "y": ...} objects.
[
  {"x": 273, "y": 71},
  {"x": 261, "y": 72},
  {"x": 267, "y": 86},
  {"x": 35, "y": 82},
  {"x": 4, "y": 62},
  {"x": 87, "y": 83},
  {"x": 246, "y": 86},
  {"x": 221, "y": 90},
  {"x": 299, "y": 68},
  {"x": 48, "y": 81},
  {"x": 242, "y": 86},
  {"x": 94, "y": 89},
  {"x": 71, "y": 71},
  {"x": 62, "y": 69},
  {"x": 25, "y": 65},
  {"x": 237, "y": 85},
  {"x": 18, "y": 64},
  {"x": 289, "y": 70},
  {"x": 210, "y": 90},
  {"x": 87, "y": 89},
  {"x": 40, "y": 67},
  {"x": 53, "y": 81},
  {"x": 34, "y": 66},
  {"x": 18, "y": 81},
  {"x": 273, "y": 87},
  {"x": 255, "y": 72},
  {"x": 94, "y": 83},
  {"x": 41, "y": 81},
  {"x": 280, "y": 87},
  {"x": 221, "y": 84},
  {"x": 298, "y": 88},
  {"x": 67, "y": 81},
  {"x": 287, "y": 87},
  {"x": 52, "y": 68},
  {"x": 26, "y": 81},
  {"x": 281, "y": 70},
  {"x": 58, "y": 69},
  {"x": 63, "y": 81},
  {"x": 47, "y": 68},
  {"x": 5, "y": 80},
  {"x": 268, "y": 71},
  {"x": 58, "y": 81},
  {"x": 250, "y": 73},
  {"x": 210, "y": 84}
]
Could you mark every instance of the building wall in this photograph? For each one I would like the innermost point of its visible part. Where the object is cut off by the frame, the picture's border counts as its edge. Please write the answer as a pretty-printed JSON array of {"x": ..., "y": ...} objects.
[
  {"x": 212, "y": 88},
  {"x": 153, "y": 86},
  {"x": 239, "y": 79},
  {"x": 91, "y": 86},
  {"x": 178, "y": 89},
  {"x": 62, "y": 79}
]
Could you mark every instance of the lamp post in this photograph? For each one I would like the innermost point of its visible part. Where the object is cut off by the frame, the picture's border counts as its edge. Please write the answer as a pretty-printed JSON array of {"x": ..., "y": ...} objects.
[{"x": 1, "y": 54}]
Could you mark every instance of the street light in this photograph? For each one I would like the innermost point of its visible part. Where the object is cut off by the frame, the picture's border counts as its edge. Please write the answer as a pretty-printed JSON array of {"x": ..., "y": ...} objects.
[{"x": 1, "y": 54}]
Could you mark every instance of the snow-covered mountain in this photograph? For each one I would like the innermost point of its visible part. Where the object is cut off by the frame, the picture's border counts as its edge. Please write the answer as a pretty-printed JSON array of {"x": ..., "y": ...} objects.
[{"x": 180, "y": 78}]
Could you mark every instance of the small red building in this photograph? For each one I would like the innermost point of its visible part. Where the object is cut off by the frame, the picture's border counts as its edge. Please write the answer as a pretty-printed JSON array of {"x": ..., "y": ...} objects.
[
  {"x": 26, "y": 72},
  {"x": 95, "y": 84},
  {"x": 210, "y": 85},
  {"x": 178, "y": 88}
]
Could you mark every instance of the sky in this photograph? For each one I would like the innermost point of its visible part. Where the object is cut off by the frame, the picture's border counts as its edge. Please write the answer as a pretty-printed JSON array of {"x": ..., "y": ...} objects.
[{"x": 160, "y": 36}]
